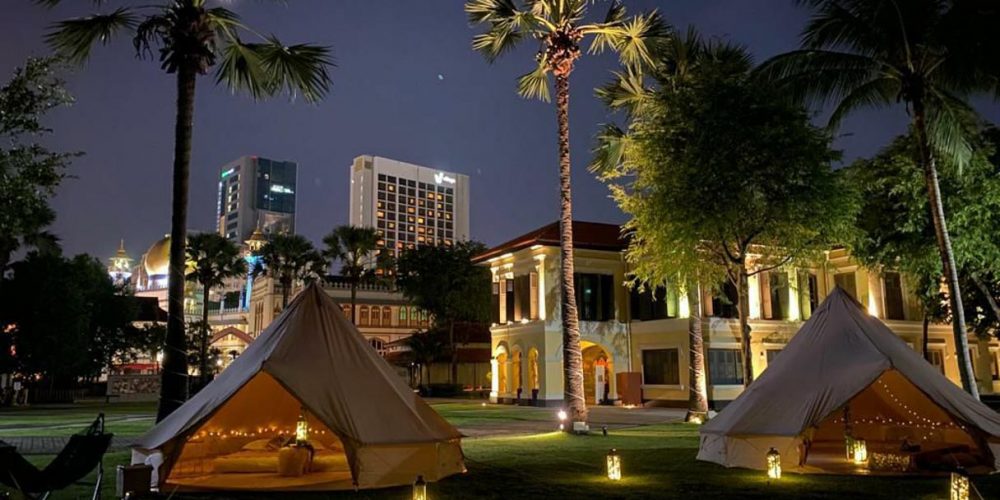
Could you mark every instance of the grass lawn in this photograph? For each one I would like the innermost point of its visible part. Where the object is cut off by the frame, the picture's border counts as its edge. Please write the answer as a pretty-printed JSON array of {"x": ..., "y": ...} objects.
[
  {"x": 658, "y": 461},
  {"x": 124, "y": 419}
]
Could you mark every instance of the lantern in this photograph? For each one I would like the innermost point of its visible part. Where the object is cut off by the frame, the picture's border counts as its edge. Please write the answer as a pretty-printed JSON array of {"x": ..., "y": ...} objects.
[
  {"x": 614, "y": 463},
  {"x": 420, "y": 489},
  {"x": 773, "y": 464},
  {"x": 860, "y": 452},
  {"x": 302, "y": 429},
  {"x": 959, "y": 486}
]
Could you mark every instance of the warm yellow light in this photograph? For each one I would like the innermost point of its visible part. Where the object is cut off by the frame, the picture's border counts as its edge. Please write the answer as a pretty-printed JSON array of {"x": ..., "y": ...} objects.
[
  {"x": 773, "y": 464},
  {"x": 959, "y": 487},
  {"x": 420, "y": 489},
  {"x": 859, "y": 454},
  {"x": 302, "y": 429},
  {"x": 614, "y": 462}
]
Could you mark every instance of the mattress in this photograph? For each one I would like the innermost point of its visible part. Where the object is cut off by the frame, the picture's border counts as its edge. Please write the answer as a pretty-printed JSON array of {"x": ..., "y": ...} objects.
[{"x": 248, "y": 462}]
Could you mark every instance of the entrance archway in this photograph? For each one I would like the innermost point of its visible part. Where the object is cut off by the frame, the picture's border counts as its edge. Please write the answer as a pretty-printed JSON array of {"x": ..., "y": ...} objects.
[
  {"x": 598, "y": 374},
  {"x": 533, "y": 385},
  {"x": 502, "y": 374}
]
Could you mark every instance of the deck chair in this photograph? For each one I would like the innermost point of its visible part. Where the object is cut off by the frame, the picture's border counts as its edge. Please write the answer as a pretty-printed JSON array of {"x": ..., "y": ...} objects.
[{"x": 83, "y": 453}]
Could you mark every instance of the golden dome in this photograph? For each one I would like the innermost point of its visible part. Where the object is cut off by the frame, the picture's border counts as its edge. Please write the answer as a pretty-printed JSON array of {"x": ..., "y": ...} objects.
[{"x": 157, "y": 258}]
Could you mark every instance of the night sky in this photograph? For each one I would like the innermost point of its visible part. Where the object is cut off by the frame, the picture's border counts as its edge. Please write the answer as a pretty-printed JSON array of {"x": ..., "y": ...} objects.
[{"x": 387, "y": 100}]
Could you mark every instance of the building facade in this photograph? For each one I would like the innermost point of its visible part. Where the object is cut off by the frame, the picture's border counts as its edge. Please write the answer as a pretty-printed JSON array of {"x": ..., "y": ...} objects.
[
  {"x": 256, "y": 193},
  {"x": 643, "y": 336},
  {"x": 408, "y": 204}
]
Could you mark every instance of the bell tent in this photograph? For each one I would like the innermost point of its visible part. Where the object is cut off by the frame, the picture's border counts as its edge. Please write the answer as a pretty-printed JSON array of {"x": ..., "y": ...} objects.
[
  {"x": 308, "y": 406},
  {"x": 847, "y": 378}
]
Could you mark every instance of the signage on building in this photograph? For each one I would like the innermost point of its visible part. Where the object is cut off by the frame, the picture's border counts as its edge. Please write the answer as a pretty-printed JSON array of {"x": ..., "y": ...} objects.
[{"x": 440, "y": 177}]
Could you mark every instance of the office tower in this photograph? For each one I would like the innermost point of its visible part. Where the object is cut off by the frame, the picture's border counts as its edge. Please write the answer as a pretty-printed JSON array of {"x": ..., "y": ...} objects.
[{"x": 256, "y": 193}]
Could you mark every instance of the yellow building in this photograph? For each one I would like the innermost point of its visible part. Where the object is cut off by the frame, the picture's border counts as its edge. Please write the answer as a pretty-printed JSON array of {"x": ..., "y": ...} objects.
[{"x": 626, "y": 332}]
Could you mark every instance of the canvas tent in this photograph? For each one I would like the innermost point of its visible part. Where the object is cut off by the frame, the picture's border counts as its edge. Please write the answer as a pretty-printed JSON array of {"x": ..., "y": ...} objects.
[
  {"x": 367, "y": 427},
  {"x": 846, "y": 373}
]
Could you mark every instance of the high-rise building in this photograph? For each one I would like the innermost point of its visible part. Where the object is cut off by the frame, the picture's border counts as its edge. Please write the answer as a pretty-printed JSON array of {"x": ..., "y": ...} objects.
[
  {"x": 256, "y": 193},
  {"x": 408, "y": 204}
]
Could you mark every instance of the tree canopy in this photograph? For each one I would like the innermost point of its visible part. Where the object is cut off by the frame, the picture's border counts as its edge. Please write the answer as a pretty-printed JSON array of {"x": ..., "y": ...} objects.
[
  {"x": 66, "y": 318},
  {"x": 29, "y": 172},
  {"x": 895, "y": 230}
]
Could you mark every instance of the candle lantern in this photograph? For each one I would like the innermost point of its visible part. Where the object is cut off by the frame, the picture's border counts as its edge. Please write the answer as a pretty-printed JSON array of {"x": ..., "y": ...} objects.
[
  {"x": 773, "y": 464},
  {"x": 859, "y": 454},
  {"x": 959, "y": 486},
  {"x": 614, "y": 465},
  {"x": 302, "y": 429},
  {"x": 420, "y": 489}
]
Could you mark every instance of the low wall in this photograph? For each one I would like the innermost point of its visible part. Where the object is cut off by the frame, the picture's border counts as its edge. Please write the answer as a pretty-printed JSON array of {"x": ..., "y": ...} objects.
[{"x": 134, "y": 387}]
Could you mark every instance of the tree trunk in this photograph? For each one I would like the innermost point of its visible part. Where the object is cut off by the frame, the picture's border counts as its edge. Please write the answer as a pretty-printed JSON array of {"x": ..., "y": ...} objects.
[
  {"x": 572, "y": 355},
  {"x": 454, "y": 352},
  {"x": 285, "y": 289},
  {"x": 743, "y": 294},
  {"x": 354, "y": 304},
  {"x": 203, "y": 348},
  {"x": 925, "y": 340},
  {"x": 985, "y": 290},
  {"x": 174, "y": 381},
  {"x": 944, "y": 246},
  {"x": 697, "y": 387}
]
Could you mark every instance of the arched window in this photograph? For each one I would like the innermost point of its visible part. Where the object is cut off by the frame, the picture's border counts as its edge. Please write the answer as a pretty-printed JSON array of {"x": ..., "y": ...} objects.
[
  {"x": 376, "y": 316},
  {"x": 403, "y": 317},
  {"x": 377, "y": 344},
  {"x": 423, "y": 319},
  {"x": 386, "y": 316},
  {"x": 363, "y": 320}
]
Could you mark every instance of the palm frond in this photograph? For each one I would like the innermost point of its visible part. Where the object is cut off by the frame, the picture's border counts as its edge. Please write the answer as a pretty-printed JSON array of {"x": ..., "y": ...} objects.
[
  {"x": 74, "y": 38},
  {"x": 226, "y": 22},
  {"x": 821, "y": 76},
  {"x": 535, "y": 85},
  {"x": 951, "y": 126},
  {"x": 502, "y": 37},
  {"x": 241, "y": 70},
  {"x": 490, "y": 11},
  {"x": 626, "y": 90},
  {"x": 876, "y": 93},
  {"x": 265, "y": 69},
  {"x": 840, "y": 26},
  {"x": 633, "y": 39},
  {"x": 149, "y": 32},
  {"x": 608, "y": 153}
]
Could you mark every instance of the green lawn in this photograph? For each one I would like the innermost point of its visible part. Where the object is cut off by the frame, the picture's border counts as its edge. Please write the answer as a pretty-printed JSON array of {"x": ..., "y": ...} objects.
[
  {"x": 658, "y": 461},
  {"x": 124, "y": 419}
]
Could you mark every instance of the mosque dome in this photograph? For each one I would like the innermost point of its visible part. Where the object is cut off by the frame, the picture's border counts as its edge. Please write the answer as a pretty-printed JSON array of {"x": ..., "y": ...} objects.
[{"x": 157, "y": 259}]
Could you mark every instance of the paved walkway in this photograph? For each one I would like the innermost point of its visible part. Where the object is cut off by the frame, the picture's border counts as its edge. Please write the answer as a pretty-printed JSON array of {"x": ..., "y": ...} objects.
[{"x": 536, "y": 421}]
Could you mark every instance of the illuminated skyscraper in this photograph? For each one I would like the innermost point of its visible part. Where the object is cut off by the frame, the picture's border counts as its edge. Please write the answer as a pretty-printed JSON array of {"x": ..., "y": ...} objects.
[
  {"x": 256, "y": 193},
  {"x": 408, "y": 204}
]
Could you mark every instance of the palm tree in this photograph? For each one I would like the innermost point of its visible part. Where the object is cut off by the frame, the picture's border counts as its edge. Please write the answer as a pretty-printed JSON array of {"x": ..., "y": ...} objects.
[
  {"x": 559, "y": 27},
  {"x": 289, "y": 258},
  {"x": 426, "y": 347},
  {"x": 876, "y": 53},
  {"x": 675, "y": 62},
  {"x": 192, "y": 38},
  {"x": 352, "y": 246},
  {"x": 214, "y": 259}
]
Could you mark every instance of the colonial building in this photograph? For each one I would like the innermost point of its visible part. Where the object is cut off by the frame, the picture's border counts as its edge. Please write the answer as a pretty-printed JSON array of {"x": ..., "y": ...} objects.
[{"x": 642, "y": 338}]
